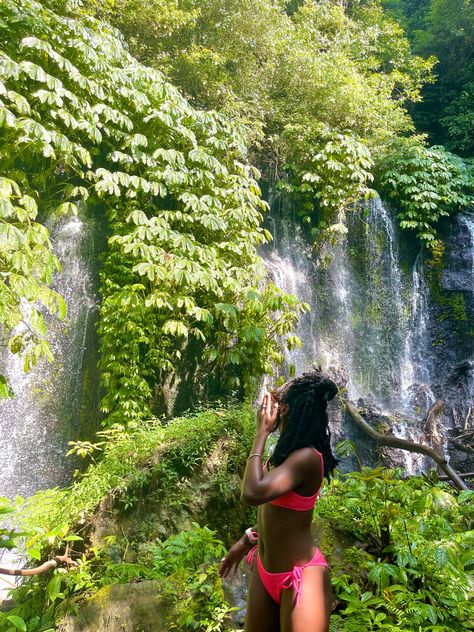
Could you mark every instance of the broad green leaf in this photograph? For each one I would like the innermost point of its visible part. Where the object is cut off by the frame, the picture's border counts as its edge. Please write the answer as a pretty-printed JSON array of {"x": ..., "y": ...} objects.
[{"x": 18, "y": 622}]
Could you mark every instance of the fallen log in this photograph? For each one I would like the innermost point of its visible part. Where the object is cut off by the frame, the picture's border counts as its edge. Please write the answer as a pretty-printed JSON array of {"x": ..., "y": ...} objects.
[{"x": 404, "y": 444}]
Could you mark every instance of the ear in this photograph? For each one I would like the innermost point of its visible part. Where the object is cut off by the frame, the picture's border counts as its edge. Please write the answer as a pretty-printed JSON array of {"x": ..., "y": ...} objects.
[{"x": 283, "y": 408}]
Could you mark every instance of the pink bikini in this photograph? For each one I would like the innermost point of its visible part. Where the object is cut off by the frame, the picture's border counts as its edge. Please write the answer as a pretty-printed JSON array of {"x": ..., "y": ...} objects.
[{"x": 276, "y": 582}]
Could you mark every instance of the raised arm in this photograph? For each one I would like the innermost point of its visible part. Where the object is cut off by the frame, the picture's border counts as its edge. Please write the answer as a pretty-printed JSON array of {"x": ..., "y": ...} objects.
[{"x": 259, "y": 487}]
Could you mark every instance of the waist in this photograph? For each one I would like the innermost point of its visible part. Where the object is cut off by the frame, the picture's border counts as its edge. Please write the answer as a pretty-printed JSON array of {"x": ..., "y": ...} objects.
[
  {"x": 314, "y": 558},
  {"x": 277, "y": 556}
]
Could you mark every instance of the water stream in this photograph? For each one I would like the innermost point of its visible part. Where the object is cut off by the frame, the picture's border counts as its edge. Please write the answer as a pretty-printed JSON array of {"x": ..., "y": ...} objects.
[
  {"x": 45, "y": 413},
  {"x": 37, "y": 423},
  {"x": 366, "y": 316}
]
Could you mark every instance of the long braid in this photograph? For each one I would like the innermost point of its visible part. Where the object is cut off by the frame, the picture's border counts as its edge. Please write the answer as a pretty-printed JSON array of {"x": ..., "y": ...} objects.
[{"x": 307, "y": 422}]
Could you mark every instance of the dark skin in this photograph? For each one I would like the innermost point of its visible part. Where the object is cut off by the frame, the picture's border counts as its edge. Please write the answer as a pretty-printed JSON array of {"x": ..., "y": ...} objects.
[{"x": 284, "y": 535}]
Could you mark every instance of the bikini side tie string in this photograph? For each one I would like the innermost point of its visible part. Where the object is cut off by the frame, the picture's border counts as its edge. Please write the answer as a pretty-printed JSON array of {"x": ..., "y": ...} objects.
[
  {"x": 294, "y": 581},
  {"x": 251, "y": 554}
]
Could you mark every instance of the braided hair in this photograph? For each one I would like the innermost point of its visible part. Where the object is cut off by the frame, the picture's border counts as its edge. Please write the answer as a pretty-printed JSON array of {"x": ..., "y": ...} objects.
[{"x": 307, "y": 421}]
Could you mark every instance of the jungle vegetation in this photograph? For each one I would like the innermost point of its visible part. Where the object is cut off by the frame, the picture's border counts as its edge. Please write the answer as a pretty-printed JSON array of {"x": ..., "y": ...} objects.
[
  {"x": 316, "y": 95},
  {"x": 160, "y": 116}
]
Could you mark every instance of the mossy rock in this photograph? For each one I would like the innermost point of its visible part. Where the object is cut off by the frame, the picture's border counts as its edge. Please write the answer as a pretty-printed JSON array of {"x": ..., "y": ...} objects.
[{"x": 119, "y": 608}]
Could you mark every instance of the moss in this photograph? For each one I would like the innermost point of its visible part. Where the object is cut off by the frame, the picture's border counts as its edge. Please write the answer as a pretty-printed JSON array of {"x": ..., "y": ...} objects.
[
  {"x": 458, "y": 307},
  {"x": 102, "y": 596},
  {"x": 382, "y": 427},
  {"x": 156, "y": 468},
  {"x": 451, "y": 305}
]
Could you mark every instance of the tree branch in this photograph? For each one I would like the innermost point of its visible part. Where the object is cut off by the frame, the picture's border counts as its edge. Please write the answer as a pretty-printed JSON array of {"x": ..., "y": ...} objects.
[
  {"x": 404, "y": 444},
  {"x": 59, "y": 559}
]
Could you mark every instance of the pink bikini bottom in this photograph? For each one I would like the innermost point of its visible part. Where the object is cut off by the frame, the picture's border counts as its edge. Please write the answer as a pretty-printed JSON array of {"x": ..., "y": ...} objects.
[{"x": 276, "y": 582}]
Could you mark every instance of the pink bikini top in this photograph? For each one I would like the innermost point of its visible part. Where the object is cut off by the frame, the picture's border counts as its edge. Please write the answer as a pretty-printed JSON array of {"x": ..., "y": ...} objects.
[{"x": 295, "y": 501}]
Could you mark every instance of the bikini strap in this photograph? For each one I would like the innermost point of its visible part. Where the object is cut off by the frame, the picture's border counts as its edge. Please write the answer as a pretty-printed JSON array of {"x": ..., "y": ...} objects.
[
  {"x": 251, "y": 555},
  {"x": 322, "y": 459}
]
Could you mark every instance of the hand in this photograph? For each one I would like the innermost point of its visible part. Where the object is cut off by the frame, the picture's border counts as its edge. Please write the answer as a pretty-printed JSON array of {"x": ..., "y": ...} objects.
[
  {"x": 267, "y": 417},
  {"x": 233, "y": 558}
]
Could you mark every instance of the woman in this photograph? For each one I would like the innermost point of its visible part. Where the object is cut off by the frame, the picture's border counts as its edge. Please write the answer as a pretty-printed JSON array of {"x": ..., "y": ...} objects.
[{"x": 290, "y": 588}]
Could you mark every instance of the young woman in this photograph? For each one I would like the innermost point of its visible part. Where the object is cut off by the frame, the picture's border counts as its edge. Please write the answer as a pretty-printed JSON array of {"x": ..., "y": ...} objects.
[{"x": 290, "y": 588}]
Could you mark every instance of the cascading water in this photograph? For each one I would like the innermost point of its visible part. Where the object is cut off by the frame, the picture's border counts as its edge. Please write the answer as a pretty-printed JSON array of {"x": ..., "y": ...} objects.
[
  {"x": 290, "y": 266},
  {"x": 37, "y": 423},
  {"x": 467, "y": 221},
  {"x": 43, "y": 416},
  {"x": 366, "y": 315},
  {"x": 417, "y": 358}
]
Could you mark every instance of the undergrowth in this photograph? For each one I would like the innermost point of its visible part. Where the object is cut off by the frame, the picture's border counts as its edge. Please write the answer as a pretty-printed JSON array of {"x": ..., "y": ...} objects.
[
  {"x": 409, "y": 565},
  {"x": 151, "y": 471}
]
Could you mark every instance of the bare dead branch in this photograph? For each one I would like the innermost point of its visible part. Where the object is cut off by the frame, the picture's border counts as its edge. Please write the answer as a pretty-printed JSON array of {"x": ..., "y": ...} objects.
[
  {"x": 404, "y": 444},
  {"x": 59, "y": 559}
]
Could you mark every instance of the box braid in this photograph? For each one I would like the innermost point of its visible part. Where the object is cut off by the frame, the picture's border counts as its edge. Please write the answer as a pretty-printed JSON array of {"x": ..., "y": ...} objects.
[{"x": 307, "y": 421}]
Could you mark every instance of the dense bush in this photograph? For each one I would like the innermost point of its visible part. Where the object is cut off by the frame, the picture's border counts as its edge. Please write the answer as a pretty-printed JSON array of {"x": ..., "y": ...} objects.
[
  {"x": 412, "y": 567},
  {"x": 299, "y": 77},
  {"x": 425, "y": 184},
  {"x": 149, "y": 474},
  {"x": 444, "y": 28}
]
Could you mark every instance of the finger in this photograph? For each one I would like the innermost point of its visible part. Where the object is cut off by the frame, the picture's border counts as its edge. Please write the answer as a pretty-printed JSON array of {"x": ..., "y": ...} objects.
[
  {"x": 275, "y": 410},
  {"x": 232, "y": 568}
]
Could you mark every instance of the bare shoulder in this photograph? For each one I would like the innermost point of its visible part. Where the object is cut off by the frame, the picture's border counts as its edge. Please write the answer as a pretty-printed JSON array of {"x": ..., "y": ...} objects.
[{"x": 306, "y": 458}]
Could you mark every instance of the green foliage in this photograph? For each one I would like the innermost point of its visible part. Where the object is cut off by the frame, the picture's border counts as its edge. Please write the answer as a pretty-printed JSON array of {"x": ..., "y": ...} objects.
[
  {"x": 86, "y": 123},
  {"x": 444, "y": 28},
  {"x": 315, "y": 72},
  {"x": 26, "y": 259},
  {"x": 187, "y": 563},
  {"x": 156, "y": 466},
  {"x": 411, "y": 568},
  {"x": 8, "y": 537},
  {"x": 426, "y": 184},
  {"x": 330, "y": 172},
  {"x": 184, "y": 565},
  {"x": 322, "y": 88},
  {"x": 128, "y": 465}
]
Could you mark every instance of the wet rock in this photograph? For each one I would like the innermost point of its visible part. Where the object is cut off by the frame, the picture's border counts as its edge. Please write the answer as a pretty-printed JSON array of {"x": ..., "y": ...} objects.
[
  {"x": 451, "y": 332},
  {"x": 235, "y": 591},
  {"x": 457, "y": 275}
]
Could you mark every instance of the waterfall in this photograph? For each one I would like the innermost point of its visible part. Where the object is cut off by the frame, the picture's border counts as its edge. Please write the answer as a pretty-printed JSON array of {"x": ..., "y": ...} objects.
[
  {"x": 45, "y": 412},
  {"x": 358, "y": 317},
  {"x": 367, "y": 315},
  {"x": 289, "y": 263},
  {"x": 468, "y": 222},
  {"x": 37, "y": 423},
  {"x": 417, "y": 359}
]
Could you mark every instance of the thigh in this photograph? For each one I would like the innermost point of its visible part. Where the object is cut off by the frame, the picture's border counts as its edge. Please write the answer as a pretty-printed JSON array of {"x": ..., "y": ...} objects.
[
  {"x": 314, "y": 606},
  {"x": 263, "y": 614}
]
